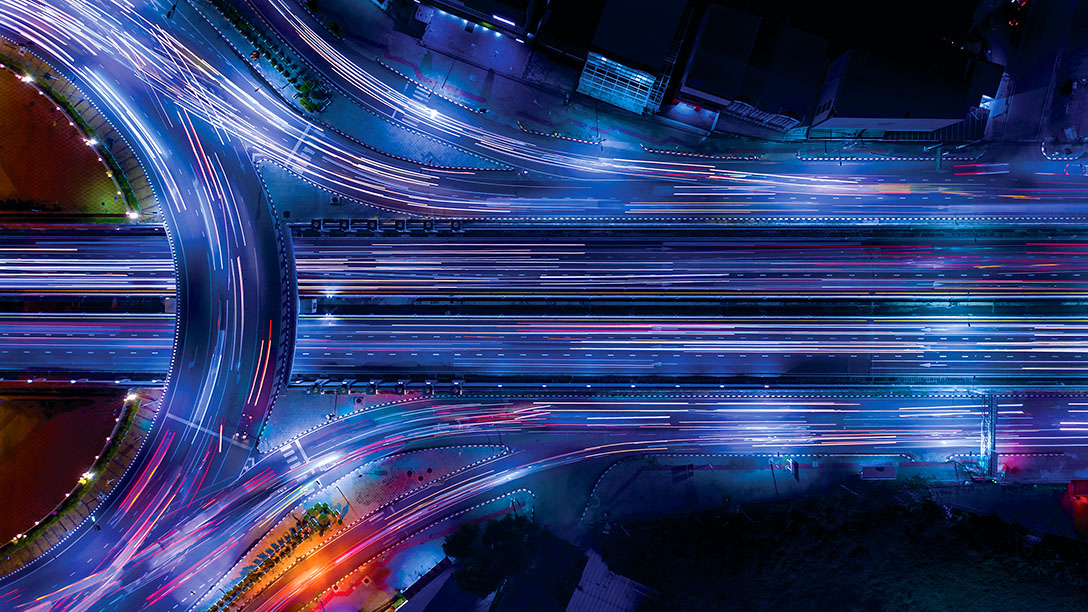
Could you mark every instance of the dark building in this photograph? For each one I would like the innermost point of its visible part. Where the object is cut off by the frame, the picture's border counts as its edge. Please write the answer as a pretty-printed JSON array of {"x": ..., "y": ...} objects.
[
  {"x": 864, "y": 90},
  {"x": 715, "y": 70},
  {"x": 761, "y": 70},
  {"x": 518, "y": 17},
  {"x": 633, "y": 52}
]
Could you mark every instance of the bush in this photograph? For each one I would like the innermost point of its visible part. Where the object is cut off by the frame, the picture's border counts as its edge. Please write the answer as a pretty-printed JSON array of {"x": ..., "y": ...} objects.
[
  {"x": 461, "y": 543},
  {"x": 505, "y": 547}
]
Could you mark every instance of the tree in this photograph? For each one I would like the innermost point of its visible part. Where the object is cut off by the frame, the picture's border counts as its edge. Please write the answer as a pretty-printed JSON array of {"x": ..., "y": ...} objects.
[
  {"x": 460, "y": 544},
  {"x": 485, "y": 560}
]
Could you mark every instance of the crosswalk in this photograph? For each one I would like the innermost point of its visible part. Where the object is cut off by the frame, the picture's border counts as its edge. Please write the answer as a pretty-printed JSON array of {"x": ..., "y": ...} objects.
[
  {"x": 292, "y": 459},
  {"x": 294, "y": 455},
  {"x": 420, "y": 94}
]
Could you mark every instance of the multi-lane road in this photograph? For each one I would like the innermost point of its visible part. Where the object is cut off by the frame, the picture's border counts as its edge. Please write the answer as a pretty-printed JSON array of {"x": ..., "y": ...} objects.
[
  {"x": 613, "y": 349},
  {"x": 128, "y": 261},
  {"x": 82, "y": 343},
  {"x": 199, "y": 116},
  {"x": 937, "y": 284},
  {"x": 791, "y": 264},
  {"x": 800, "y": 263},
  {"x": 632, "y": 348}
]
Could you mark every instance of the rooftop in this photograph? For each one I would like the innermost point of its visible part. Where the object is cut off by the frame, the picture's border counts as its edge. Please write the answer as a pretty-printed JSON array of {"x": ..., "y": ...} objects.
[{"x": 638, "y": 33}]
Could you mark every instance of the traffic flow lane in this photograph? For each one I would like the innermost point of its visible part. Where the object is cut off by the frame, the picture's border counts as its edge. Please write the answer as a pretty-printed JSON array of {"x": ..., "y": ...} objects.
[
  {"x": 691, "y": 346},
  {"x": 72, "y": 263},
  {"x": 808, "y": 266},
  {"x": 86, "y": 343},
  {"x": 1023, "y": 347}
]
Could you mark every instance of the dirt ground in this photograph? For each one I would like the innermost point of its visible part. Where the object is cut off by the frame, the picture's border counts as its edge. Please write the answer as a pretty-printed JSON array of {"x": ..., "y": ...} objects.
[
  {"x": 47, "y": 440},
  {"x": 44, "y": 160}
]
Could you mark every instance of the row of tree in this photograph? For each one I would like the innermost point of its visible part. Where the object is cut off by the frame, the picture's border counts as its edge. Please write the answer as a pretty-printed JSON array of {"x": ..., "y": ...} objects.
[{"x": 311, "y": 94}]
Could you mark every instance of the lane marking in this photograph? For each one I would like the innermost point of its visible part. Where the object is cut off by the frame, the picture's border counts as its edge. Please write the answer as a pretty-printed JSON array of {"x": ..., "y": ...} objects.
[{"x": 205, "y": 430}]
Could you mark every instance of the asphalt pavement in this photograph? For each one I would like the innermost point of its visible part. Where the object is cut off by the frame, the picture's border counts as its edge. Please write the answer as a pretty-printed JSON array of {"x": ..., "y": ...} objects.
[{"x": 199, "y": 116}]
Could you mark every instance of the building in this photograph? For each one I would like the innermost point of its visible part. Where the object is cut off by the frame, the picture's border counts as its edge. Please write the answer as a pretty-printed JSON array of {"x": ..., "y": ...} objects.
[
  {"x": 517, "y": 17},
  {"x": 633, "y": 52},
  {"x": 714, "y": 74},
  {"x": 757, "y": 69},
  {"x": 867, "y": 91},
  {"x": 602, "y": 590}
]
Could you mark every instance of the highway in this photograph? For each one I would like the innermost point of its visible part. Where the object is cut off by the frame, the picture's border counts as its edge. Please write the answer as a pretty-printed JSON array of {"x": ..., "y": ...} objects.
[
  {"x": 553, "y": 432},
  {"x": 551, "y": 180},
  {"x": 792, "y": 264},
  {"x": 199, "y": 118},
  {"x": 640, "y": 347},
  {"x": 781, "y": 341},
  {"x": 115, "y": 262},
  {"x": 546, "y": 348},
  {"x": 801, "y": 263},
  {"x": 82, "y": 343},
  {"x": 617, "y": 180},
  {"x": 790, "y": 339}
]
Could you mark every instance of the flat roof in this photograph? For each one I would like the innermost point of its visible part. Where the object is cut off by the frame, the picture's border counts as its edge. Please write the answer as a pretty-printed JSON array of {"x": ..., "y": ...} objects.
[
  {"x": 638, "y": 33},
  {"x": 719, "y": 58},
  {"x": 795, "y": 75},
  {"x": 875, "y": 86}
]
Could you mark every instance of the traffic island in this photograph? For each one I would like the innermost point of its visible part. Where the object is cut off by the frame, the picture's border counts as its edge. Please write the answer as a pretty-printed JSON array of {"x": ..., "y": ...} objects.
[
  {"x": 52, "y": 130},
  {"x": 92, "y": 489}
]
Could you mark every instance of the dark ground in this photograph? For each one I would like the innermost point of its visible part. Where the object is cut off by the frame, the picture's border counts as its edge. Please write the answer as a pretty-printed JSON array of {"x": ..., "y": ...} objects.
[
  {"x": 878, "y": 547},
  {"x": 44, "y": 164},
  {"x": 47, "y": 440}
]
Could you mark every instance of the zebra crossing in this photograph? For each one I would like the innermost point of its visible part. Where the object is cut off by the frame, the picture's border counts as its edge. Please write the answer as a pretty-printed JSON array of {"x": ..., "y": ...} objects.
[
  {"x": 293, "y": 458},
  {"x": 420, "y": 94}
]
